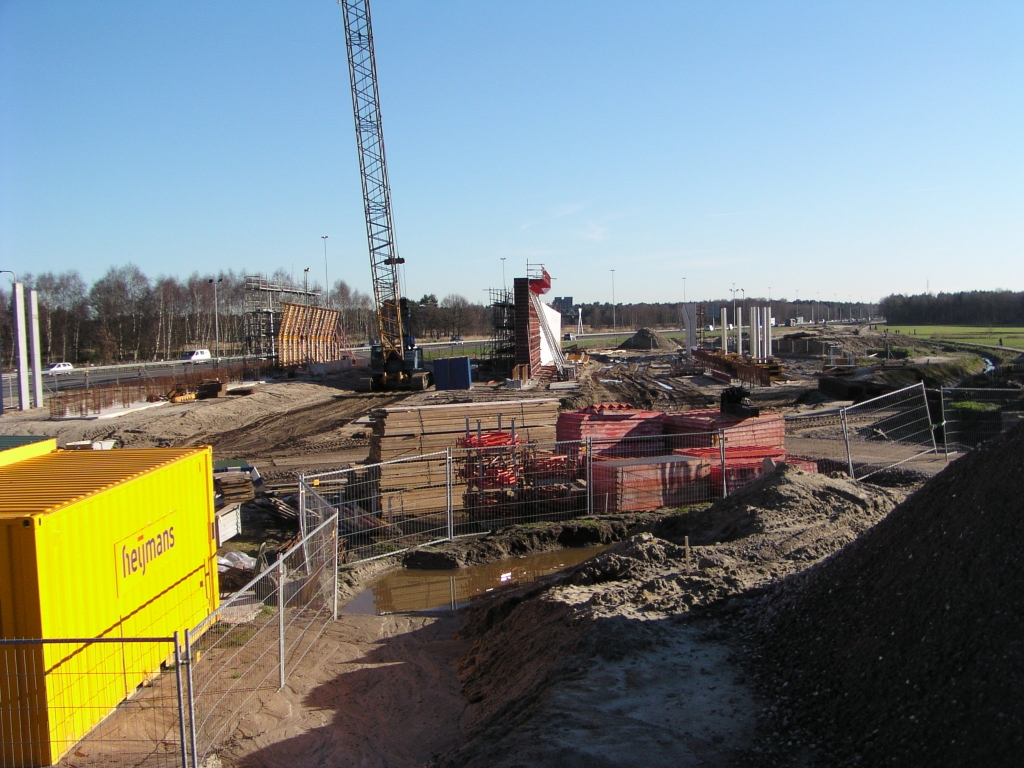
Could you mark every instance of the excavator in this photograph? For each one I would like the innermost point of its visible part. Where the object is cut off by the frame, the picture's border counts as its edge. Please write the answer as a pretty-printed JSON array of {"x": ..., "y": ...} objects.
[{"x": 395, "y": 361}]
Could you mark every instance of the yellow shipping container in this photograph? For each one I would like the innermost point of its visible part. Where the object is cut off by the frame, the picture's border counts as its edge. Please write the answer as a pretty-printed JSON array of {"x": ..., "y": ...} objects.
[{"x": 96, "y": 544}]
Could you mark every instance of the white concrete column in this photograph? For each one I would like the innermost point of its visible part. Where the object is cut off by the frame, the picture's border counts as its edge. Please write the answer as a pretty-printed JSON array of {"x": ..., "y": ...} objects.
[
  {"x": 725, "y": 328},
  {"x": 739, "y": 331},
  {"x": 21, "y": 345},
  {"x": 768, "y": 331},
  {"x": 761, "y": 333},
  {"x": 34, "y": 349}
]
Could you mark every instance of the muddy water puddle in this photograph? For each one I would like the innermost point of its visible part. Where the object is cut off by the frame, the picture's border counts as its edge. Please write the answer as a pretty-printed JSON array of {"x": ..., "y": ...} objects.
[{"x": 408, "y": 589}]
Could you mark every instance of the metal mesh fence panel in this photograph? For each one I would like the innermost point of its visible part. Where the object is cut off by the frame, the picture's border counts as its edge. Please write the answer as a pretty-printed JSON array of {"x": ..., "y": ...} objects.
[
  {"x": 384, "y": 508},
  {"x": 972, "y": 416},
  {"x": 75, "y": 702},
  {"x": 889, "y": 430},
  {"x": 818, "y": 437},
  {"x": 252, "y": 641}
]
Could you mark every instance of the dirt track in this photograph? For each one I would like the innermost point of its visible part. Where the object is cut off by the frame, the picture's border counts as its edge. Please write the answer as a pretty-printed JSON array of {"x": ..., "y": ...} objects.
[{"x": 379, "y": 691}]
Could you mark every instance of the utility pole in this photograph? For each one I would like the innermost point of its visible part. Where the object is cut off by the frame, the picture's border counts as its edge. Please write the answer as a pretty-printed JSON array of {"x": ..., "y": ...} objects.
[
  {"x": 734, "y": 289},
  {"x": 327, "y": 282},
  {"x": 216, "y": 316},
  {"x": 613, "y": 300},
  {"x": 305, "y": 286},
  {"x": 684, "y": 290}
]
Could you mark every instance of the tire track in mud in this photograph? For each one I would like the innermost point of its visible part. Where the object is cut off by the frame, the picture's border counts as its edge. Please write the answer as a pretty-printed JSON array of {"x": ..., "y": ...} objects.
[{"x": 296, "y": 432}]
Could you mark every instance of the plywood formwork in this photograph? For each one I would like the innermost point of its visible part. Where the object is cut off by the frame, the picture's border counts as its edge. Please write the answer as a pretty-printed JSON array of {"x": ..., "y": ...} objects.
[{"x": 309, "y": 335}]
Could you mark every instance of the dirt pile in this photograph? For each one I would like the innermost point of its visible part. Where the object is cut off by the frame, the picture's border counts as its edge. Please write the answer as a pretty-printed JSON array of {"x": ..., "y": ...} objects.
[
  {"x": 645, "y": 338},
  {"x": 907, "y": 648},
  {"x": 781, "y": 523}
]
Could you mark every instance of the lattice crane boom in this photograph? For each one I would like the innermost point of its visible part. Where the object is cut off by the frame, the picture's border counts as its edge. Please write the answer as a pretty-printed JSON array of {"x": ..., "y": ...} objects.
[{"x": 373, "y": 170}]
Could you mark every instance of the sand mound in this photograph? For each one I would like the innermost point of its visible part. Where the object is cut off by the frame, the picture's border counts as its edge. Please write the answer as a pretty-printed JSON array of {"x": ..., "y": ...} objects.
[
  {"x": 907, "y": 647},
  {"x": 785, "y": 515},
  {"x": 645, "y": 338}
]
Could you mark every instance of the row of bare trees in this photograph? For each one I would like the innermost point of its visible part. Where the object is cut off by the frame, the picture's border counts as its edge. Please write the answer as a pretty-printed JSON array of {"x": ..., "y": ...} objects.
[{"x": 126, "y": 316}]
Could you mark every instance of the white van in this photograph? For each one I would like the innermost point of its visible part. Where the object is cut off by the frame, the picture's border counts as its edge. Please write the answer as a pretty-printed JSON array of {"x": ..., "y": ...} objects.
[{"x": 197, "y": 356}]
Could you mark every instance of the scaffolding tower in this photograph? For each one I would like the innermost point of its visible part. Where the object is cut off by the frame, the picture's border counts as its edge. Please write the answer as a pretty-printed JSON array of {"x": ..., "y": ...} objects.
[
  {"x": 501, "y": 350},
  {"x": 702, "y": 324},
  {"x": 262, "y": 319}
]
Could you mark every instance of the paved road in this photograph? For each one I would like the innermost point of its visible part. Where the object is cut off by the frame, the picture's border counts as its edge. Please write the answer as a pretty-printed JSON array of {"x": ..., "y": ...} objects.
[{"x": 107, "y": 374}]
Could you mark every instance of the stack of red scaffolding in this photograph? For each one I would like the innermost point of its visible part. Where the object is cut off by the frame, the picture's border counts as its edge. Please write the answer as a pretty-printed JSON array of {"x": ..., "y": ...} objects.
[
  {"x": 742, "y": 463},
  {"x": 696, "y": 429},
  {"x": 633, "y": 485},
  {"x": 617, "y": 429}
]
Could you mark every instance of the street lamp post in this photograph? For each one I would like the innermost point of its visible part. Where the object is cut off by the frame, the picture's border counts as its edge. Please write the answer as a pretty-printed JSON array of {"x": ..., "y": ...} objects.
[
  {"x": 613, "y": 300},
  {"x": 684, "y": 290},
  {"x": 216, "y": 316},
  {"x": 327, "y": 282},
  {"x": 305, "y": 286}
]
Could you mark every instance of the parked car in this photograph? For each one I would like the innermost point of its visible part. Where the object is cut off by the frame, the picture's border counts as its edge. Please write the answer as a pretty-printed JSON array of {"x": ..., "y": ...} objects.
[
  {"x": 456, "y": 337},
  {"x": 55, "y": 368},
  {"x": 197, "y": 356}
]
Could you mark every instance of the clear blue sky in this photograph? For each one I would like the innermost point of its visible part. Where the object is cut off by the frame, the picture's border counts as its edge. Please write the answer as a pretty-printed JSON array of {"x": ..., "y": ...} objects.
[{"x": 849, "y": 149}]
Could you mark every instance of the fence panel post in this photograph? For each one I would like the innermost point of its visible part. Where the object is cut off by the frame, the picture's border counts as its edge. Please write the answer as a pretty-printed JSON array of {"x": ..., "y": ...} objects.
[
  {"x": 448, "y": 480},
  {"x": 280, "y": 620},
  {"x": 928, "y": 413},
  {"x": 945, "y": 436},
  {"x": 191, "y": 699},
  {"x": 589, "y": 474},
  {"x": 721, "y": 455},
  {"x": 846, "y": 439},
  {"x": 337, "y": 543},
  {"x": 182, "y": 732}
]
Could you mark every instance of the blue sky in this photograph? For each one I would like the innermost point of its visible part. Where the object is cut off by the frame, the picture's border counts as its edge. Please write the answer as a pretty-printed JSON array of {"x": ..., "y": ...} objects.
[{"x": 851, "y": 150}]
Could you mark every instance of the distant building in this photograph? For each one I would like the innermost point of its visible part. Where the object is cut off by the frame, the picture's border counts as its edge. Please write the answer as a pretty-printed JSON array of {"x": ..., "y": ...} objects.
[{"x": 563, "y": 304}]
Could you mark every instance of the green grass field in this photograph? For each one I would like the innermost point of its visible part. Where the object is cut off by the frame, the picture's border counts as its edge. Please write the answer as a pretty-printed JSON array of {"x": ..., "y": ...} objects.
[{"x": 970, "y": 334}]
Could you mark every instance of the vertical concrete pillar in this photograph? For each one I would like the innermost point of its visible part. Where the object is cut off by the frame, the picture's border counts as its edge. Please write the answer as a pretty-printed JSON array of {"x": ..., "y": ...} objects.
[
  {"x": 762, "y": 332},
  {"x": 739, "y": 331},
  {"x": 21, "y": 345},
  {"x": 34, "y": 348},
  {"x": 755, "y": 332},
  {"x": 724, "y": 316},
  {"x": 768, "y": 330}
]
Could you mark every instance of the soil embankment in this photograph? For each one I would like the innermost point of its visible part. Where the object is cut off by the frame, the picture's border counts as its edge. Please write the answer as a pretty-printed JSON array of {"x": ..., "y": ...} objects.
[{"x": 907, "y": 648}]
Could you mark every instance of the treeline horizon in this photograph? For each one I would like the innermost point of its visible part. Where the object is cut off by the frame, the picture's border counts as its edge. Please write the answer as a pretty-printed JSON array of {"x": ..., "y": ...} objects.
[
  {"x": 127, "y": 316},
  {"x": 1000, "y": 307}
]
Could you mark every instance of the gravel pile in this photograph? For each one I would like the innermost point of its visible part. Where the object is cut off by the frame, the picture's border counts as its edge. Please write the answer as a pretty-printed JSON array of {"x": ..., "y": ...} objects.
[
  {"x": 645, "y": 338},
  {"x": 907, "y": 647}
]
